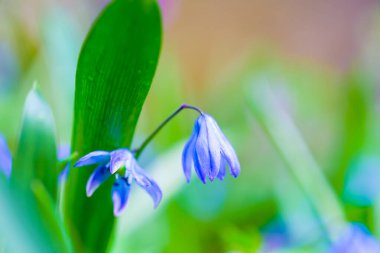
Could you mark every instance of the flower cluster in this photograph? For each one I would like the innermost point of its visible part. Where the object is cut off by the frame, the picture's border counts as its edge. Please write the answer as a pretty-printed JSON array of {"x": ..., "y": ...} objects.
[{"x": 208, "y": 150}]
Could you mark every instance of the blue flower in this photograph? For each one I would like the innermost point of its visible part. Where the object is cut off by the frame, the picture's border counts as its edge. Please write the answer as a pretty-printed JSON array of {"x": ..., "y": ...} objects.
[
  {"x": 210, "y": 151},
  {"x": 64, "y": 151},
  {"x": 5, "y": 157},
  {"x": 109, "y": 164},
  {"x": 356, "y": 239}
]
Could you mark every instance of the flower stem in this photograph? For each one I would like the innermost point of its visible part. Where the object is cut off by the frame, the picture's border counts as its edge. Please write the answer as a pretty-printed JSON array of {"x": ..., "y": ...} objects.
[{"x": 155, "y": 132}]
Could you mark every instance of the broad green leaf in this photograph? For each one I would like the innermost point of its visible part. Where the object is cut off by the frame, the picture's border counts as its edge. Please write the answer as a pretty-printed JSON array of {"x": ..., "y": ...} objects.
[
  {"x": 114, "y": 73},
  {"x": 36, "y": 156},
  {"x": 51, "y": 219},
  {"x": 23, "y": 228}
]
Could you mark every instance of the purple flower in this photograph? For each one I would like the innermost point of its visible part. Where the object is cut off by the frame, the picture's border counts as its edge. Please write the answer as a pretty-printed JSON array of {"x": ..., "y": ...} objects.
[
  {"x": 210, "y": 151},
  {"x": 111, "y": 163},
  {"x": 5, "y": 157},
  {"x": 356, "y": 239}
]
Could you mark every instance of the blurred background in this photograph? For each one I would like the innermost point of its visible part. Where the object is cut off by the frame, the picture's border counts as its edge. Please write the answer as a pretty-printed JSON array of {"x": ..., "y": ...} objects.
[{"x": 319, "y": 61}]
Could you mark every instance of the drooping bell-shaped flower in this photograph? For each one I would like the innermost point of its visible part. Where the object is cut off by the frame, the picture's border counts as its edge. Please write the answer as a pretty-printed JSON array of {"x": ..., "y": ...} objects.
[
  {"x": 209, "y": 151},
  {"x": 5, "y": 157},
  {"x": 109, "y": 164},
  {"x": 356, "y": 239}
]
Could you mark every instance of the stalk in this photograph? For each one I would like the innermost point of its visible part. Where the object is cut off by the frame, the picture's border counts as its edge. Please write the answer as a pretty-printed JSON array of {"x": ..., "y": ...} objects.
[{"x": 158, "y": 129}]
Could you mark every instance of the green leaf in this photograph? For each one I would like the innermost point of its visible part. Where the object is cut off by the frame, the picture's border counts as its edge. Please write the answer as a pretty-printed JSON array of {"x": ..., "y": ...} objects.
[
  {"x": 23, "y": 228},
  {"x": 36, "y": 156},
  {"x": 114, "y": 73},
  {"x": 51, "y": 219},
  {"x": 357, "y": 107}
]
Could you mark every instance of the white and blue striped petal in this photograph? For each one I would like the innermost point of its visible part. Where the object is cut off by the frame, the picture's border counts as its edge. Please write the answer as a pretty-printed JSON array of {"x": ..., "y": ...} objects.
[
  {"x": 119, "y": 158},
  {"x": 187, "y": 155},
  {"x": 226, "y": 148},
  {"x": 202, "y": 151},
  {"x": 200, "y": 170},
  {"x": 213, "y": 146},
  {"x": 146, "y": 183},
  {"x": 93, "y": 158},
  {"x": 222, "y": 169}
]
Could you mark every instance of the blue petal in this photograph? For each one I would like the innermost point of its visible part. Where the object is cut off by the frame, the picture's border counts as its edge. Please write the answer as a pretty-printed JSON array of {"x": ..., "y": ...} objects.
[
  {"x": 100, "y": 174},
  {"x": 63, "y": 175},
  {"x": 5, "y": 157},
  {"x": 227, "y": 150},
  {"x": 198, "y": 168},
  {"x": 213, "y": 146},
  {"x": 201, "y": 149},
  {"x": 187, "y": 155},
  {"x": 232, "y": 160},
  {"x": 119, "y": 158},
  {"x": 93, "y": 158},
  {"x": 222, "y": 169},
  {"x": 137, "y": 173},
  {"x": 149, "y": 185},
  {"x": 120, "y": 195}
]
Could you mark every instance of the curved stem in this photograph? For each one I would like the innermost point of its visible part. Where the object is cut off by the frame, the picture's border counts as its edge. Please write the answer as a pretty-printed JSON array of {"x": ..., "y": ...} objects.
[{"x": 138, "y": 151}]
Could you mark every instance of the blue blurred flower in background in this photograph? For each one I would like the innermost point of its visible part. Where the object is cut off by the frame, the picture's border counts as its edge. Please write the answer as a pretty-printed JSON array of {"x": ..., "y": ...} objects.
[
  {"x": 64, "y": 151},
  {"x": 9, "y": 69},
  {"x": 5, "y": 157},
  {"x": 210, "y": 151},
  {"x": 110, "y": 163},
  {"x": 356, "y": 239}
]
